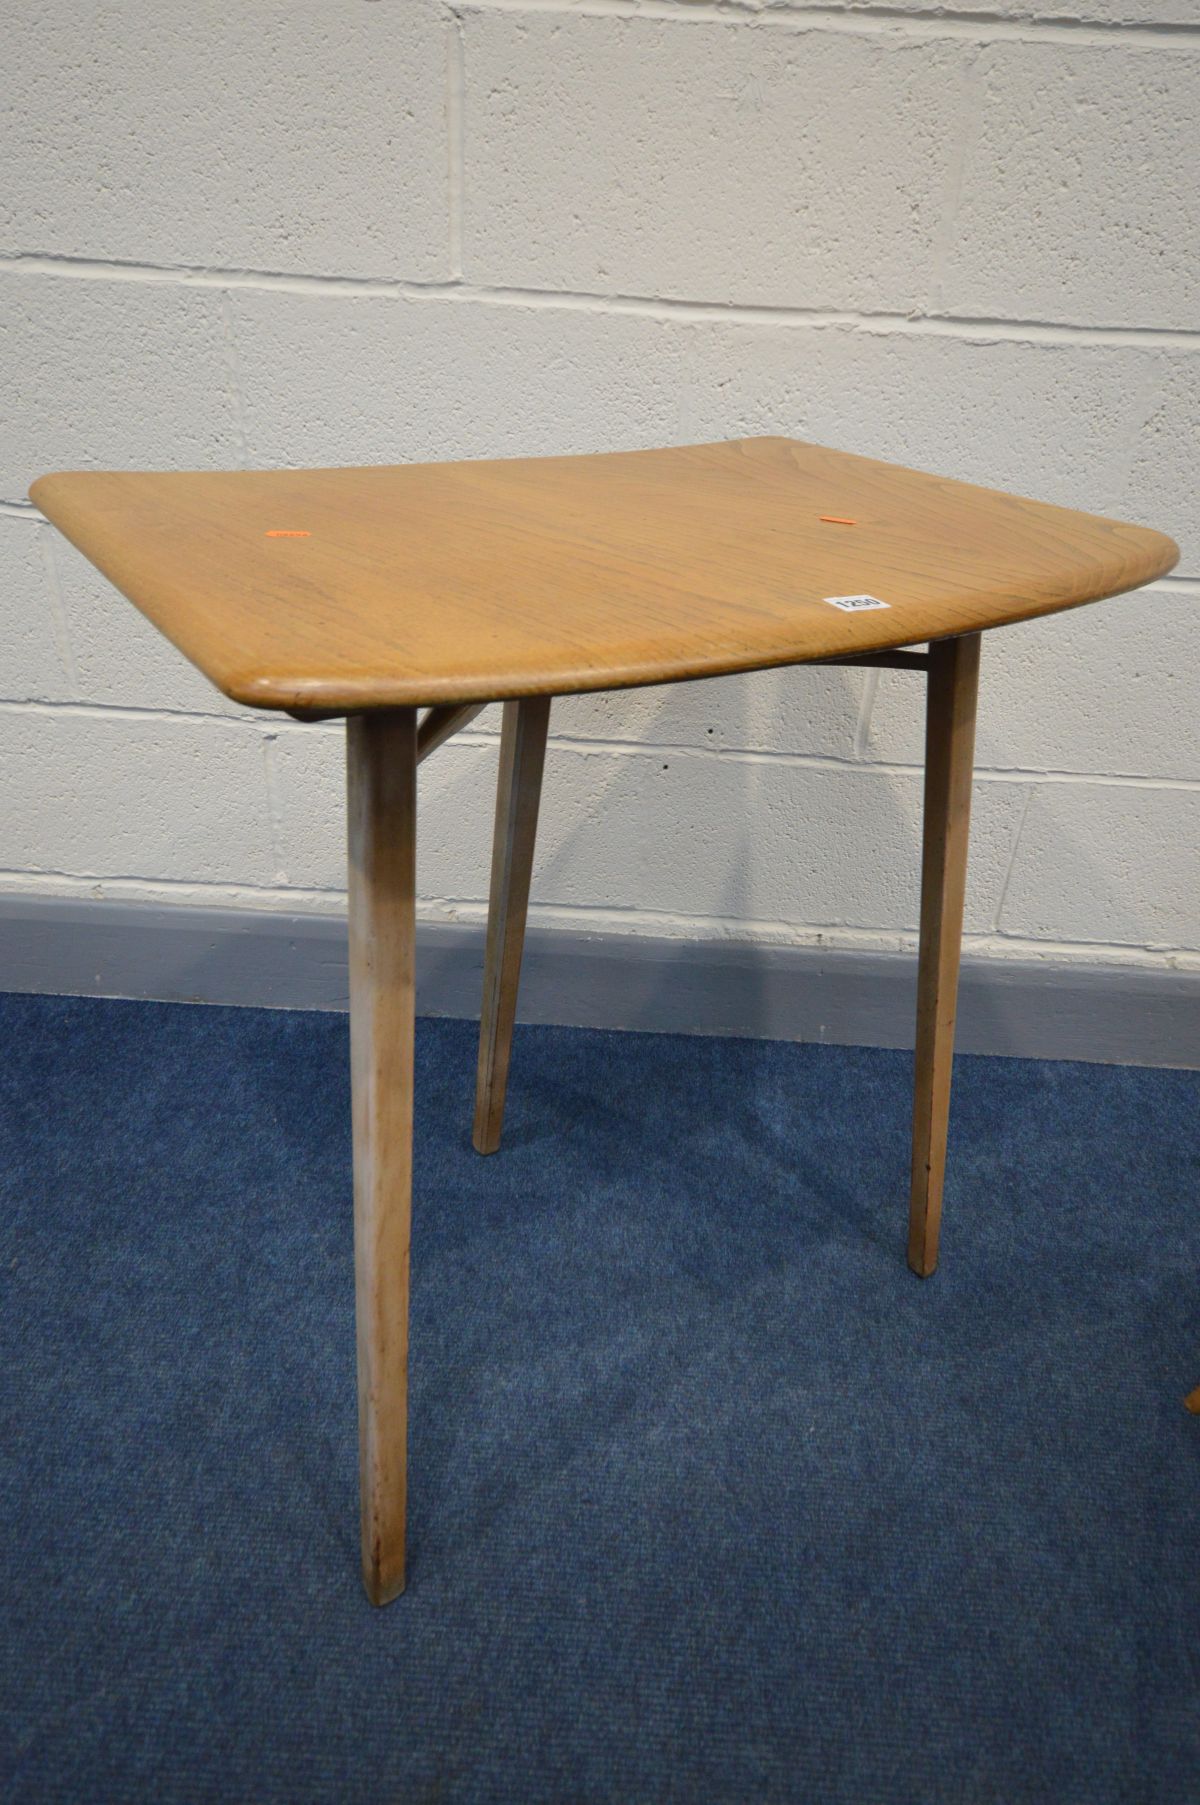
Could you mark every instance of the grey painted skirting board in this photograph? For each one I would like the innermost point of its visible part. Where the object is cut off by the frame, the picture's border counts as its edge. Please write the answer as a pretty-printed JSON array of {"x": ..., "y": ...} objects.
[{"x": 1110, "y": 1014}]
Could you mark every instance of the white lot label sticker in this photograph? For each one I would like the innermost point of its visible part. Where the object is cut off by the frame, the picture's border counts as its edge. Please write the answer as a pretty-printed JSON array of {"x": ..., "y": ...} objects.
[{"x": 852, "y": 603}]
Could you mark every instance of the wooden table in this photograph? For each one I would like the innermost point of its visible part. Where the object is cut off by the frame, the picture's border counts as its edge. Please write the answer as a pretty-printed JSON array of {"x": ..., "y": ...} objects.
[{"x": 372, "y": 593}]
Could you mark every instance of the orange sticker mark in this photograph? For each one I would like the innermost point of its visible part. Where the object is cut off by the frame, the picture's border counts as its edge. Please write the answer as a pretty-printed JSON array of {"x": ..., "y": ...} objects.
[
  {"x": 288, "y": 532},
  {"x": 837, "y": 520}
]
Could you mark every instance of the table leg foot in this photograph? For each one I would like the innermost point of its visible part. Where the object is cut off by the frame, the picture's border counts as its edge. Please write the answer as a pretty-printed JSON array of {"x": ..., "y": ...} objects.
[
  {"x": 518, "y": 793},
  {"x": 953, "y": 684},
  {"x": 381, "y": 785}
]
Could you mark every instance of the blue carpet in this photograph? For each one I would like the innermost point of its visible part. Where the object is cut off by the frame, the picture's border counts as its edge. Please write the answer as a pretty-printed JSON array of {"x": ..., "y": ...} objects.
[{"x": 711, "y": 1499}]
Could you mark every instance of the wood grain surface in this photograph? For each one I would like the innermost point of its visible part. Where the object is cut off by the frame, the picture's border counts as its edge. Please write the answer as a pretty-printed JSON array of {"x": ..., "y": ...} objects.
[
  {"x": 381, "y": 772},
  {"x": 951, "y": 695},
  {"x": 518, "y": 796},
  {"x": 344, "y": 590}
]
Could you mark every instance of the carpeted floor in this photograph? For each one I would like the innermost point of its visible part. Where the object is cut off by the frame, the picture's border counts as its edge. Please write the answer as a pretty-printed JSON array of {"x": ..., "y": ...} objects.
[{"x": 710, "y": 1499}]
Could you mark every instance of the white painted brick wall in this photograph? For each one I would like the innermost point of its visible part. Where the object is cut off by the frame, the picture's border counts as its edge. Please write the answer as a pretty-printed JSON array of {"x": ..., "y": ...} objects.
[
  {"x": 1102, "y": 689},
  {"x": 1078, "y": 199},
  {"x": 191, "y": 134},
  {"x": 134, "y": 796},
  {"x": 696, "y": 159},
  {"x": 111, "y": 374},
  {"x": 379, "y": 379},
  {"x": 1056, "y": 420},
  {"x": 1164, "y": 459},
  {"x": 1107, "y": 862},
  {"x": 410, "y": 229},
  {"x": 32, "y": 667}
]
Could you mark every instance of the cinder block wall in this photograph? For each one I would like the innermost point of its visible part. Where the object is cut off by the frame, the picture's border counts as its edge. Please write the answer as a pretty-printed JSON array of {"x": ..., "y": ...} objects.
[{"x": 301, "y": 231}]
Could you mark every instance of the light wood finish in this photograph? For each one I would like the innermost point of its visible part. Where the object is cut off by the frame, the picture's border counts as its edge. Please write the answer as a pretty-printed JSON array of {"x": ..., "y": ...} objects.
[
  {"x": 338, "y": 590},
  {"x": 381, "y": 790},
  {"x": 441, "y": 724},
  {"x": 518, "y": 793},
  {"x": 372, "y": 592},
  {"x": 952, "y": 688}
]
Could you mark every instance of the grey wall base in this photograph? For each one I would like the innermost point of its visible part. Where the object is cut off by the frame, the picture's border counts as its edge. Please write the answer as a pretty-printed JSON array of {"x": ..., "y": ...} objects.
[{"x": 1106, "y": 1014}]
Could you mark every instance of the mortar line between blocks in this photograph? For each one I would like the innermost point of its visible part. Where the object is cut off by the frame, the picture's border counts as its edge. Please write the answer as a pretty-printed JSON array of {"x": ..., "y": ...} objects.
[
  {"x": 590, "y": 748},
  {"x": 15, "y": 881},
  {"x": 825, "y": 761},
  {"x": 331, "y": 904},
  {"x": 81, "y": 708},
  {"x": 455, "y": 140},
  {"x": 660, "y": 307},
  {"x": 868, "y": 19}
]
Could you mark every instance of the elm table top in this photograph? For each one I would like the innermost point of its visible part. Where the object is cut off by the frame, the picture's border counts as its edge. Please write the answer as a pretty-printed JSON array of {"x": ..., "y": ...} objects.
[{"x": 383, "y": 586}]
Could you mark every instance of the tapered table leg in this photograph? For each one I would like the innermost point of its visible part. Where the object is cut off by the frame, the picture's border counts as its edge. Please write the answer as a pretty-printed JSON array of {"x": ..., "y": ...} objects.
[
  {"x": 381, "y": 771},
  {"x": 518, "y": 792},
  {"x": 953, "y": 684}
]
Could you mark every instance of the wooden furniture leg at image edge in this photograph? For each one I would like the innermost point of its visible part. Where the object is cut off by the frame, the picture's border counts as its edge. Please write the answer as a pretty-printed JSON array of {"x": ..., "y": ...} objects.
[
  {"x": 518, "y": 793},
  {"x": 952, "y": 687},
  {"x": 382, "y": 808}
]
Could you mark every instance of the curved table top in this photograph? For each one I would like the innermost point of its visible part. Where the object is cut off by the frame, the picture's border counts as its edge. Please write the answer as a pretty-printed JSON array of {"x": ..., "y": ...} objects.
[{"x": 338, "y": 590}]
